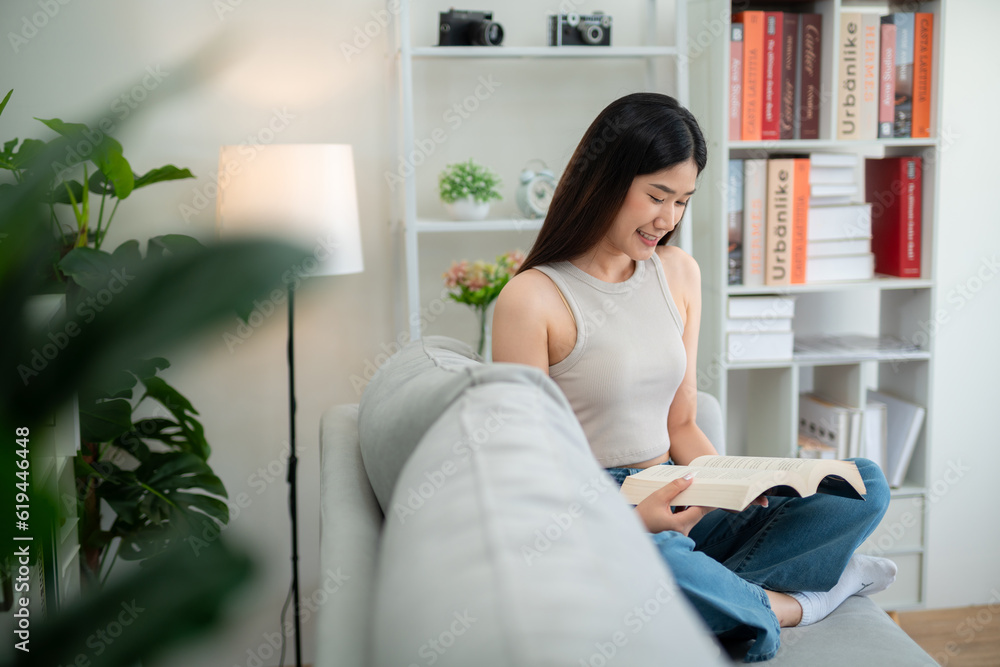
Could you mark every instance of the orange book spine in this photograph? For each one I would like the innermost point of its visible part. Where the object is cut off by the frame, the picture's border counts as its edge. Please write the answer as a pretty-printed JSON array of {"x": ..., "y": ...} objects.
[
  {"x": 922, "y": 52},
  {"x": 753, "y": 72},
  {"x": 800, "y": 221}
]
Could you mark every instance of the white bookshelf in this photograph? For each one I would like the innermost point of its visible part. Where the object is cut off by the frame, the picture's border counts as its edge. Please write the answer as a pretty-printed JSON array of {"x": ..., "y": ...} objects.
[
  {"x": 760, "y": 399},
  {"x": 650, "y": 53}
]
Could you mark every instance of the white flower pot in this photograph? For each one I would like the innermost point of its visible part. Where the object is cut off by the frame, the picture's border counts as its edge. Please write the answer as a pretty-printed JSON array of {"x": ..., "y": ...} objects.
[{"x": 468, "y": 209}]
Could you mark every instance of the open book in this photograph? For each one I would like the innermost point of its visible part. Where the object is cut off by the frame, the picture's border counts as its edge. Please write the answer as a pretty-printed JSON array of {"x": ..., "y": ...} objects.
[{"x": 733, "y": 482}]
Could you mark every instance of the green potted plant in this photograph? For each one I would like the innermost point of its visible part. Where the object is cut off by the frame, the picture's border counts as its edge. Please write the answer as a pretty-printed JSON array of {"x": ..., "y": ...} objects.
[
  {"x": 467, "y": 188},
  {"x": 151, "y": 472}
]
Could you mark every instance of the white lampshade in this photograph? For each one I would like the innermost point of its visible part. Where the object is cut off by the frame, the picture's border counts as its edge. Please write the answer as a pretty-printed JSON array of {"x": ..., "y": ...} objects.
[{"x": 300, "y": 193}]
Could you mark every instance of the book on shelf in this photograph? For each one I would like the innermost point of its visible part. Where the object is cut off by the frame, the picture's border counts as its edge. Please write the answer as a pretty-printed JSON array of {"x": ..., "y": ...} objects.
[
  {"x": 758, "y": 324},
  {"x": 839, "y": 223},
  {"x": 923, "y": 48},
  {"x": 887, "y": 80},
  {"x": 844, "y": 160},
  {"x": 761, "y": 307},
  {"x": 733, "y": 482},
  {"x": 894, "y": 188},
  {"x": 778, "y": 221},
  {"x": 753, "y": 71},
  {"x": 735, "y": 81},
  {"x": 848, "y": 90},
  {"x": 836, "y": 268},
  {"x": 813, "y": 448},
  {"x": 831, "y": 347},
  {"x": 833, "y": 424},
  {"x": 868, "y": 94},
  {"x": 828, "y": 191},
  {"x": 770, "y": 126},
  {"x": 831, "y": 175},
  {"x": 857, "y": 246},
  {"x": 808, "y": 63},
  {"x": 754, "y": 197},
  {"x": 903, "y": 106},
  {"x": 735, "y": 222},
  {"x": 903, "y": 422},
  {"x": 874, "y": 439},
  {"x": 800, "y": 220},
  {"x": 760, "y": 346},
  {"x": 789, "y": 46}
]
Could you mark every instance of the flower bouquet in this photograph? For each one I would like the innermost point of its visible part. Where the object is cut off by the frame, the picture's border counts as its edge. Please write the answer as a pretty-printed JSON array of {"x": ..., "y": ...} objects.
[{"x": 478, "y": 284}]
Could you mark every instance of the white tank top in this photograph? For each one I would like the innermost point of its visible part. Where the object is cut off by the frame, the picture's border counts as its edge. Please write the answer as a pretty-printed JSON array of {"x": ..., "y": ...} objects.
[{"x": 628, "y": 361}]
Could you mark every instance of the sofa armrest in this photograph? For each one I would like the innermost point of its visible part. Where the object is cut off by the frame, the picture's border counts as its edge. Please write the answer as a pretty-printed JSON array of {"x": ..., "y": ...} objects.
[{"x": 350, "y": 524}]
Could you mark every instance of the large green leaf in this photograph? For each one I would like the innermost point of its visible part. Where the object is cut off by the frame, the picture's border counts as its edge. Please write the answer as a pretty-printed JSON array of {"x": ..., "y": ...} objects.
[
  {"x": 106, "y": 153},
  {"x": 158, "y": 246},
  {"x": 29, "y": 153},
  {"x": 147, "y": 368},
  {"x": 89, "y": 268},
  {"x": 103, "y": 421},
  {"x": 182, "y": 410},
  {"x": 165, "y": 173}
]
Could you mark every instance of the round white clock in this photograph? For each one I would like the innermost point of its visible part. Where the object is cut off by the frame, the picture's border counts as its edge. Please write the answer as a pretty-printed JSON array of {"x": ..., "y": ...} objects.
[{"x": 534, "y": 193}]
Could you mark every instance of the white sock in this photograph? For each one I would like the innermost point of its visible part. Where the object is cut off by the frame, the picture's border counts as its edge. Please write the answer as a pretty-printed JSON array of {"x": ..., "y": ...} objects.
[{"x": 864, "y": 575}]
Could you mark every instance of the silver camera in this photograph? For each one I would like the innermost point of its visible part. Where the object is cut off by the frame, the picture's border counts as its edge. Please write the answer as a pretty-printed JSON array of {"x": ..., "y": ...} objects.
[{"x": 580, "y": 29}]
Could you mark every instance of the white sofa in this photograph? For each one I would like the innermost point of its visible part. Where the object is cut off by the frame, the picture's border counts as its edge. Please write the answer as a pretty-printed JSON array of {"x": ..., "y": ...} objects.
[{"x": 469, "y": 525}]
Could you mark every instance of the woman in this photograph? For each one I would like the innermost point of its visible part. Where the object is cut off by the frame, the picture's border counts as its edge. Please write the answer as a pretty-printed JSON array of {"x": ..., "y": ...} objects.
[{"x": 612, "y": 314}]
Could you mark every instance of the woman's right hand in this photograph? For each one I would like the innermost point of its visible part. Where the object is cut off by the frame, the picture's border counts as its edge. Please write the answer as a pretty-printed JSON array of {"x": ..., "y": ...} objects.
[{"x": 655, "y": 510}]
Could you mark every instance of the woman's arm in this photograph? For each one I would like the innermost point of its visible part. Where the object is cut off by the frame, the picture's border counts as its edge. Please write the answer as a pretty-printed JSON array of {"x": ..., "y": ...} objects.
[
  {"x": 687, "y": 442},
  {"x": 520, "y": 320}
]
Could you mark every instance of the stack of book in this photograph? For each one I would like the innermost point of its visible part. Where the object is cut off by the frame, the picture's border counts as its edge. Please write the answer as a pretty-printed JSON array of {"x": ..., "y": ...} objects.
[
  {"x": 759, "y": 328},
  {"x": 839, "y": 230},
  {"x": 885, "y": 75},
  {"x": 774, "y": 76}
]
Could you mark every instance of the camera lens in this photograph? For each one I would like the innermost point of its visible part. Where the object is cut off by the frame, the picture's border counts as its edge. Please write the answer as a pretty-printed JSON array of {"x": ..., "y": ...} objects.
[
  {"x": 486, "y": 33},
  {"x": 592, "y": 34}
]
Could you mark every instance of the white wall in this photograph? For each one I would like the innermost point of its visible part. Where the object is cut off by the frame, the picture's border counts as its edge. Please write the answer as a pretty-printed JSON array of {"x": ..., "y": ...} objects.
[
  {"x": 964, "y": 538},
  {"x": 287, "y": 57}
]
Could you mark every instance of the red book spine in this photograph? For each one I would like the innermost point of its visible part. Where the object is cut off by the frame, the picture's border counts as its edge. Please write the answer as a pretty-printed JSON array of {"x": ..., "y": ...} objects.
[
  {"x": 753, "y": 72},
  {"x": 735, "y": 82},
  {"x": 800, "y": 220},
  {"x": 887, "y": 80},
  {"x": 770, "y": 128},
  {"x": 789, "y": 42},
  {"x": 894, "y": 188},
  {"x": 809, "y": 93},
  {"x": 922, "y": 50}
]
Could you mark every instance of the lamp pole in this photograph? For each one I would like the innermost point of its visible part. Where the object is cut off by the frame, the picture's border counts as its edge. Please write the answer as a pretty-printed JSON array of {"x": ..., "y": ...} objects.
[{"x": 293, "y": 463}]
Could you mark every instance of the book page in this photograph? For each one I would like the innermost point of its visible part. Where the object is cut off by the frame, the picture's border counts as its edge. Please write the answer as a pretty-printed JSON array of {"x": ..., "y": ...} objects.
[
  {"x": 802, "y": 466},
  {"x": 664, "y": 474}
]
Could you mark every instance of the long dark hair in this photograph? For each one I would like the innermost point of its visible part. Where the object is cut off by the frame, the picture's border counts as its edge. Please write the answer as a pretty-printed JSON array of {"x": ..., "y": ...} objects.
[{"x": 638, "y": 134}]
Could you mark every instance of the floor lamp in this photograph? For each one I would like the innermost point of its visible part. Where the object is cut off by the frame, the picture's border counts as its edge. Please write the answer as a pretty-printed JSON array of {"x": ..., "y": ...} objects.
[{"x": 304, "y": 194}]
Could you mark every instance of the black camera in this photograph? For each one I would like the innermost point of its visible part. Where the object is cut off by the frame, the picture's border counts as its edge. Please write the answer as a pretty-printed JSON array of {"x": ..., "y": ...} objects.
[
  {"x": 459, "y": 27},
  {"x": 580, "y": 29}
]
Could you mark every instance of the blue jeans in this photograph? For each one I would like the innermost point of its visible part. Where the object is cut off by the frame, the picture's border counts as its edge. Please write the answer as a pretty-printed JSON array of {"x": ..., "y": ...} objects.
[{"x": 796, "y": 544}]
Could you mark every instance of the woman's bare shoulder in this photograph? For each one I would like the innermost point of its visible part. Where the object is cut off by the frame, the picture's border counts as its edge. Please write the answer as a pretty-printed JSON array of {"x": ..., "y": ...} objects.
[
  {"x": 530, "y": 292},
  {"x": 678, "y": 265}
]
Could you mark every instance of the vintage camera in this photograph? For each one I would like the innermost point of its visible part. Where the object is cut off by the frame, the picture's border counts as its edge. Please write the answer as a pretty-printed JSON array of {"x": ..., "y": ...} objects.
[
  {"x": 459, "y": 27},
  {"x": 580, "y": 29}
]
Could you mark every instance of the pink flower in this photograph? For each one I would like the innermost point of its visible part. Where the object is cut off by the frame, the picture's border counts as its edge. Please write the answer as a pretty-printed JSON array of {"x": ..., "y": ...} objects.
[{"x": 454, "y": 276}]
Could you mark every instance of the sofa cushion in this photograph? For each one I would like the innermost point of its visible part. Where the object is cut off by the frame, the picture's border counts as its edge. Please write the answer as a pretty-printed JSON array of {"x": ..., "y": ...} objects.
[
  {"x": 506, "y": 544},
  {"x": 404, "y": 397}
]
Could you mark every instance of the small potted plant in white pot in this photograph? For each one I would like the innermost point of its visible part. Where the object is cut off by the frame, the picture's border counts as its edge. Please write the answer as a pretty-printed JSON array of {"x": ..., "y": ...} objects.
[{"x": 466, "y": 188}]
